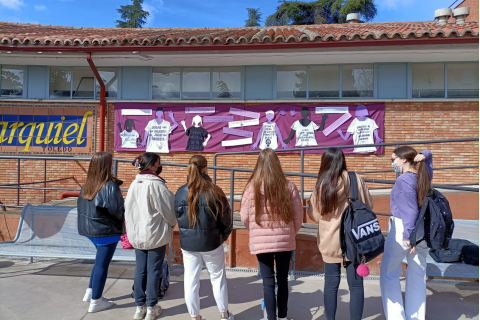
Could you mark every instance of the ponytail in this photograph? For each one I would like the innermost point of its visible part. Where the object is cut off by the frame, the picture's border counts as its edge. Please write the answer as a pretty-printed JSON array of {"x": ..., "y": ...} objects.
[
  {"x": 146, "y": 160},
  {"x": 423, "y": 183},
  {"x": 423, "y": 178},
  {"x": 198, "y": 185}
]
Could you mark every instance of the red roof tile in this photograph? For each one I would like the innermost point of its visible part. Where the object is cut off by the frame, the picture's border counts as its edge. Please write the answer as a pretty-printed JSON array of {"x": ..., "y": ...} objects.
[{"x": 58, "y": 36}]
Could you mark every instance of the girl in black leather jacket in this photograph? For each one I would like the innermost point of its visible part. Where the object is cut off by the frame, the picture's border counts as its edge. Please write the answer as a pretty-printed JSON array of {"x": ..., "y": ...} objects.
[
  {"x": 101, "y": 219},
  {"x": 205, "y": 222}
]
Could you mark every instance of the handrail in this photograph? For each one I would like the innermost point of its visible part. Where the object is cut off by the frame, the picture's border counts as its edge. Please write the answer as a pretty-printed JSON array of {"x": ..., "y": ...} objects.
[
  {"x": 18, "y": 186},
  {"x": 303, "y": 150}
]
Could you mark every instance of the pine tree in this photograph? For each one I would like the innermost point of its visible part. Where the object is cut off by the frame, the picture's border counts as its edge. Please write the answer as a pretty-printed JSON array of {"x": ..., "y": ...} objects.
[
  {"x": 254, "y": 18},
  {"x": 133, "y": 16},
  {"x": 320, "y": 12}
]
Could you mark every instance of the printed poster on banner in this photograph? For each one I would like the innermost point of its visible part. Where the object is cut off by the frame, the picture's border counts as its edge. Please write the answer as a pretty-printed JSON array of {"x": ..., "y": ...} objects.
[{"x": 165, "y": 128}]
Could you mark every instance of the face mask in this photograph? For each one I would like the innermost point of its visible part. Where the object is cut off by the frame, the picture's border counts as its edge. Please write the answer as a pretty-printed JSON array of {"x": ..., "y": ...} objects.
[
  {"x": 159, "y": 170},
  {"x": 397, "y": 169}
]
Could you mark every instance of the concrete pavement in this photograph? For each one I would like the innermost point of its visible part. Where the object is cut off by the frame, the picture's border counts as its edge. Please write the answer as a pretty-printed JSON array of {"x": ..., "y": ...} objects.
[{"x": 53, "y": 289}]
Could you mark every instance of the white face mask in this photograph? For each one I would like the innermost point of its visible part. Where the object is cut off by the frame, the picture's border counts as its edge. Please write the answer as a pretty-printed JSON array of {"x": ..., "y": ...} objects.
[{"x": 397, "y": 169}]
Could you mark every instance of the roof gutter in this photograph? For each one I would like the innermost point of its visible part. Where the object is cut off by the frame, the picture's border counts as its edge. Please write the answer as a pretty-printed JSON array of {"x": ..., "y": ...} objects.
[
  {"x": 102, "y": 101},
  {"x": 246, "y": 46}
]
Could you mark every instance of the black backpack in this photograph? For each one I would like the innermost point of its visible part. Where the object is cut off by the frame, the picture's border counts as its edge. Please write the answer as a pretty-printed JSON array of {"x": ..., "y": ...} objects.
[
  {"x": 470, "y": 254},
  {"x": 361, "y": 239},
  {"x": 436, "y": 222}
]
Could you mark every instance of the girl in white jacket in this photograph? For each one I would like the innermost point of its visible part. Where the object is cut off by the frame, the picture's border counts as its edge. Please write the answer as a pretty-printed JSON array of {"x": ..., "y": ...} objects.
[{"x": 150, "y": 218}]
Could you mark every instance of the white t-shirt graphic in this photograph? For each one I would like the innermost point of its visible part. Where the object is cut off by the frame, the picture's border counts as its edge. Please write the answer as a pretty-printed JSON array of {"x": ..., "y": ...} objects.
[
  {"x": 158, "y": 136},
  {"x": 269, "y": 137},
  {"x": 305, "y": 135},
  {"x": 363, "y": 134},
  {"x": 129, "y": 139}
]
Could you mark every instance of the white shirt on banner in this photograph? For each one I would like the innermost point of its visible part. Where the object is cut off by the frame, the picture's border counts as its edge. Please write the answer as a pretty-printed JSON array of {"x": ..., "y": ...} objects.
[
  {"x": 363, "y": 134},
  {"x": 305, "y": 135},
  {"x": 269, "y": 137},
  {"x": 158, "y": 136},
  {"x": 129, "y": 139}
]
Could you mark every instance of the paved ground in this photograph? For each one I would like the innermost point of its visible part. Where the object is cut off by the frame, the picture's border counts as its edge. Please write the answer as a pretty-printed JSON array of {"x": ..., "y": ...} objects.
[{"x": 54, "y": 290}]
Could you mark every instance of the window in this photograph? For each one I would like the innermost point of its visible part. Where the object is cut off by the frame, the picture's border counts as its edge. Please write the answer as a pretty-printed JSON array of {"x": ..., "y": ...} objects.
[
  {"x": 83, "y": 83},
  {"x": 227, "y": 82},
  {"x": 12, "y": 81},
  {"x": 462, "y": 80},
  {"x": 291, "y": 82},
  {"x": 166, "y": 83},
  {"x": 196, "y": 83},
  {"x": 428, "y": 80},
  {"x": 60, "y": 82},
  {"x": 357, "y": 81},
  {"x": 109, "y": 77},
  {"x": 324, "y": 82}
]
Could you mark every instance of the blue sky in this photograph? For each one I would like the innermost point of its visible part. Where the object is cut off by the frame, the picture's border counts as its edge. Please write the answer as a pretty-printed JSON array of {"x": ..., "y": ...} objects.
[{"x": 184, "y": 13}]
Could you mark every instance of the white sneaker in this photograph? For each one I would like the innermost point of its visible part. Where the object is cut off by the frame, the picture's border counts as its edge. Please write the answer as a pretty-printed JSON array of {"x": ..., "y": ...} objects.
[
  {"x": 230, "y": 316},
  {"x": 88, "y": 295},
  {"x": 284, "y": 319},
  {"x": 140, "y": 313},
  {"x": 100, "y": 304},
  {"x": 153, "y": 312}
]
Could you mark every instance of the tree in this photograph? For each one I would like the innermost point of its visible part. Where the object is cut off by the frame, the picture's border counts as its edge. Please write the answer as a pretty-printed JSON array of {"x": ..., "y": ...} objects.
[
  {"x": 320, "y": 12},
  {"x": 254, "y": 18},
  {"x": 133, "y": 16}
]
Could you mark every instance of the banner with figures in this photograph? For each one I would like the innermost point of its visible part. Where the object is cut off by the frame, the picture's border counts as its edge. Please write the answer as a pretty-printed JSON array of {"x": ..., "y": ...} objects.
[{"x": 165, "y": 128}]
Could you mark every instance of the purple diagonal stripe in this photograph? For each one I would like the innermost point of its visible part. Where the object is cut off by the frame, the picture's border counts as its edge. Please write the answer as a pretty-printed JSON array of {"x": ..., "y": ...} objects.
[{"x": 236, "y": 132}]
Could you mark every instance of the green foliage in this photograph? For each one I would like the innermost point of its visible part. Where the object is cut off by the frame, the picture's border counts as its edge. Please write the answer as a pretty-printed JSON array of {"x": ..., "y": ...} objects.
[
  {"x": 254, "y": 18},
  {"x": 133, "y": 16},
  {"x": 320, "y": 12}
]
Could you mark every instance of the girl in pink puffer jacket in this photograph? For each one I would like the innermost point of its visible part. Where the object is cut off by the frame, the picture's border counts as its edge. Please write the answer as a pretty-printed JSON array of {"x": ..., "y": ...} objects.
[{"x": 272, "y": 211}]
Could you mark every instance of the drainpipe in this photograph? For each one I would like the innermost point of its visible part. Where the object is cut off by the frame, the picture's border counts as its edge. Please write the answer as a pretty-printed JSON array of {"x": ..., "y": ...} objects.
[{"x": 102, "y": 102}]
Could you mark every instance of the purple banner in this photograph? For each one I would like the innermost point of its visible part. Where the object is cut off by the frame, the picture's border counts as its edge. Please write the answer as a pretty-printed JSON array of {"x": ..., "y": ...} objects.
[{"x": 171, "y": 129}]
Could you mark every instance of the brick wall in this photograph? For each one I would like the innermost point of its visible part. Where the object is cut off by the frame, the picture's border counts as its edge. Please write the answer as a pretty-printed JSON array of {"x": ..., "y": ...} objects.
[{"x": 404, "y": 121}]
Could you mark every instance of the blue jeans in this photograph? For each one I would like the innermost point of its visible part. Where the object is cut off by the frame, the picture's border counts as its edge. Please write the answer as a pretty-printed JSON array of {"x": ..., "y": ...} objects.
[
  {"x": 100, "y": 269},
  {"x": 148, "y": 271},
  {"x": 332, "y": 281},
  {"x": 280, "y": 302}
]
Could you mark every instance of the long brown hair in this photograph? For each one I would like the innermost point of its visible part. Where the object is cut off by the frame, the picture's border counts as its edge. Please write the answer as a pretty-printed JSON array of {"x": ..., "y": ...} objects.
[
  {"x": 99, "y": 172},
  {"x": 423, "y": 178},
  {"x": 268, "y": 174},
  {"x": 332, "y": 166},
  {"x": 198, "y": 185}
]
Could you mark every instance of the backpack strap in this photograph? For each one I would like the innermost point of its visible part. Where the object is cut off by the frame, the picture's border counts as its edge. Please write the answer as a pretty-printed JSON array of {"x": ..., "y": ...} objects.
[
  {"x": 353, "y": 186},
  {"x": 343, "y": 243}
]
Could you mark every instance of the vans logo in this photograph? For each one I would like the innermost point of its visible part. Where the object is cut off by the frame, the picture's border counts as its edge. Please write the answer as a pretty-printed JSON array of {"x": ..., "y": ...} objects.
[{"x": 365, "y": 229}]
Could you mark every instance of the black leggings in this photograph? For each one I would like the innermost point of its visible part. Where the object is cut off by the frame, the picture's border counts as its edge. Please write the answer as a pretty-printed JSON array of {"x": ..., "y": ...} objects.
[
  {"x": 332, "y": 281},
  {"x": 282, "y": 261}
]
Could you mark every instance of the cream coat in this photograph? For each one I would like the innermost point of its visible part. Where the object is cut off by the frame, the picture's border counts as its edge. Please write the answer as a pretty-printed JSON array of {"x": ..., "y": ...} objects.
[{"x": 149, "y": 212}]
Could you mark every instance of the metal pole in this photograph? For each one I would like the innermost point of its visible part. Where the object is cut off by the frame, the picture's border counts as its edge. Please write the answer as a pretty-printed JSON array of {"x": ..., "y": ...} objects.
[
  {"x": 232, "y": 190},
  {"x": 292, "y": 271},
  {"x": 18, "y": 181},
  {"x": 115, "y": 167},
  {"x": 45, "y": 181},
  {"x": 302, "y": 154},
  {"x": 396, "y": 173},
  {"x": 215, "y": 170}
]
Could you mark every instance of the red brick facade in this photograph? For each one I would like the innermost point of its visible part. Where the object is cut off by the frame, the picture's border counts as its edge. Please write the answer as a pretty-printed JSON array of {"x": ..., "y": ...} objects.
[{"x": 404, "y": 121}]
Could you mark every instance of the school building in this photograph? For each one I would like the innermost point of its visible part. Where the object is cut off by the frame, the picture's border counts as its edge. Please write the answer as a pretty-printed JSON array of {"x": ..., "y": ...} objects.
[{"x": 61, "y": 87}]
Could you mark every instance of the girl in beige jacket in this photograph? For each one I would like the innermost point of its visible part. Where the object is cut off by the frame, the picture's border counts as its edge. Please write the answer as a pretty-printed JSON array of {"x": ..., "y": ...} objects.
[{"x": 328, "y": 201}]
